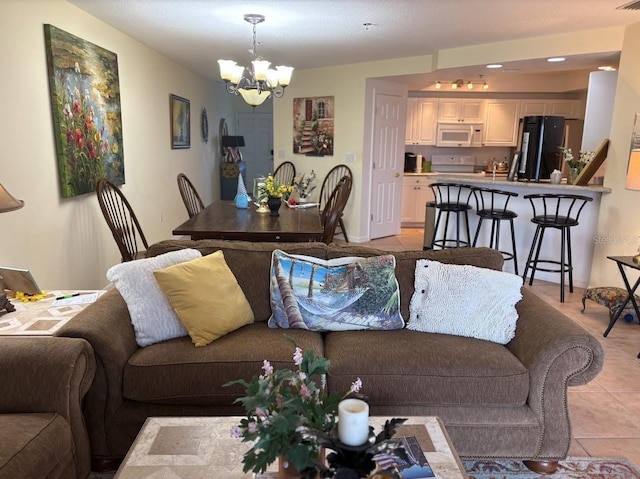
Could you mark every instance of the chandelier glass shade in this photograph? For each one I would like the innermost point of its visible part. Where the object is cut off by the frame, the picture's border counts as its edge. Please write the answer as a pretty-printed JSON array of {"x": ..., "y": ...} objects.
[
  {"x": 260, "y": 81},
  {"x": 459, "y": 84}
]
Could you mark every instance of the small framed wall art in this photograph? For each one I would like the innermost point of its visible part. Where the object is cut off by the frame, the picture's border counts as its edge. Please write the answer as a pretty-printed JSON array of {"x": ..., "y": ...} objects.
[{"x": 180, "y": 122}]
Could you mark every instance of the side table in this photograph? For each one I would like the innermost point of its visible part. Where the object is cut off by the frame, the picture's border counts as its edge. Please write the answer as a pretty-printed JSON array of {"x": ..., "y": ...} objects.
[
  {"x": 44, "y": 317},
  {"x": 623, "y": 261}
]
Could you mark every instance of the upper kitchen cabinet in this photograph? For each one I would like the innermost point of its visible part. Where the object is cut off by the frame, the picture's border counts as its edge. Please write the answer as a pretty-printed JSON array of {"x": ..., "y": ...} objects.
[
  {"x": 422, "y": 114},
  {"x": 451, "y": 110},
  {"x": 501, "y": 122},
  {"x": 566, "y": 108}
]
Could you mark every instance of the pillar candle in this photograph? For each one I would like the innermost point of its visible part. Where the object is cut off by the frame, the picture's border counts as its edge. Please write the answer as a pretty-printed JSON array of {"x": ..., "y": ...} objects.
[{"x": 353, "y": 422}]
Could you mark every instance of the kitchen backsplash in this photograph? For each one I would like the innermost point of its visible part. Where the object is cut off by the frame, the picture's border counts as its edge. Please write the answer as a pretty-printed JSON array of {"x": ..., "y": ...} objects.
[{"x": 482, "y": 155}]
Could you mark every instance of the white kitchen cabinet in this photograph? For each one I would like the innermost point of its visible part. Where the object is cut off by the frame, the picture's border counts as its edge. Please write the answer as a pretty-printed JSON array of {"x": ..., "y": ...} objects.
[
  {"x": 501, "y": 122},
  {"x": 415, "y": 194},
  {"x": 565, "y": 108},
  {"x": 468, "y": 110},
  {"x": 421, "y": 121}
]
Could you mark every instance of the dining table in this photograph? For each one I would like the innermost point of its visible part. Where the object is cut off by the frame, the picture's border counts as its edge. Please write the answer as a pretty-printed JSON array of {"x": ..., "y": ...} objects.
[{"x": 223, "y": 220}]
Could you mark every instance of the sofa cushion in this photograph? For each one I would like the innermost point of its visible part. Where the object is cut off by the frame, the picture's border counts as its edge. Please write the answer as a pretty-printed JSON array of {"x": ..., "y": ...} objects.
[
  {"x": 174, "y": 372},
  {"x": 406, "y": 263},
  {"x": 205, "y": 294},
  {"x": 36, "y": 445},
  {"x": 152, "y": 316},
  {"x": 465, "y": 301},
  {"x": 251, "y": 270},
  {"x": 337, "y": 295},
  {"x": 409, "y": 368}
]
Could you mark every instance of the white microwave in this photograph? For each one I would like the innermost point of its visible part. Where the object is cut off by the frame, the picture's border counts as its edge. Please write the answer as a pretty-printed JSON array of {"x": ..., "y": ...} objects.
[{"x": 459, "y": 135}]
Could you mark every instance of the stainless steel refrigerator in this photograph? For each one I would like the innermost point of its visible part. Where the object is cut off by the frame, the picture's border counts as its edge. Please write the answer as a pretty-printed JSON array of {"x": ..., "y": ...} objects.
[{"x": 541, "y": 143}]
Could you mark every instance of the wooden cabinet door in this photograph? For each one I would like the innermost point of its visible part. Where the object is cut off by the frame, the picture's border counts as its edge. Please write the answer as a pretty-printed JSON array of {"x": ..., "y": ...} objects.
[
  {"x": 501, "y": 122},
  {"x": 532, "y": 107},
  {"x": 471, "y": 110},
  {"x": 425, "y": 121},
  {"x": 409, "y": 193},
  {"x": 410, "y": 126},
  {"x": 449, "y": 110},
  {"x": 566, "y": 108}
]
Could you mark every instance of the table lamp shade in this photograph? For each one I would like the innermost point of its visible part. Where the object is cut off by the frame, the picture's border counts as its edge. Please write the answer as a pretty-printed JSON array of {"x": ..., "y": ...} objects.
[
  {"x": 633, "y": 171},
  {"x": 8, "y": 202},
  {"x": 232, "y": 141}
]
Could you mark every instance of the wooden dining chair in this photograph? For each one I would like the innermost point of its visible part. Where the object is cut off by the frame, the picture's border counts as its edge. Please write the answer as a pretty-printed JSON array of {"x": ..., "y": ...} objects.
[
  {"x": 285, "y": 173},
  {"x": 121, "y": 220},
  {"x": 331, "y": 214},
  {"x": 189, "y": 195},
  {"x": 328, "y": 185}
]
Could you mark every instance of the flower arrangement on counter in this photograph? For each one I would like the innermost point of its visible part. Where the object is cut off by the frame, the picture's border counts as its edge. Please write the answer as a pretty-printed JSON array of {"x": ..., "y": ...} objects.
[
  {"x": 281, "y": 403},
  {"x": 581, "y": 162},
  {"x": 271, "y": 188},
  {"x": 303, "y": 185}
]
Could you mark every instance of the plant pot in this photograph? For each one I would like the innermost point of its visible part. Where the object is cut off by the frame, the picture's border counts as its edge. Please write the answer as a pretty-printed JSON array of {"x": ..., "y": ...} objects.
[
  {"x": 274, "y": 205},
  {"x": 286, "y": 469}
]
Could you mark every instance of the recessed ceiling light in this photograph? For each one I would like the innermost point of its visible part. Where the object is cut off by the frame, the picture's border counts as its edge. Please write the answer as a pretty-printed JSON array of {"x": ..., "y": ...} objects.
[
  {"x": 607, "y": 68},
  {"x": 494, "y": 65},
  {"x": 556, "y": 59}
]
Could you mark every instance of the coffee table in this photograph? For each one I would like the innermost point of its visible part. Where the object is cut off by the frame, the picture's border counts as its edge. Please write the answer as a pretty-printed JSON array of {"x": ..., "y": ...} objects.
[{"x": 197, "y": 447}]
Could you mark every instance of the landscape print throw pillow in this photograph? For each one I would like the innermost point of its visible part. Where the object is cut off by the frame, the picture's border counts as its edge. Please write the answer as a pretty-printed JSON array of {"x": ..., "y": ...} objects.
[{"x": 335, "y": 295}]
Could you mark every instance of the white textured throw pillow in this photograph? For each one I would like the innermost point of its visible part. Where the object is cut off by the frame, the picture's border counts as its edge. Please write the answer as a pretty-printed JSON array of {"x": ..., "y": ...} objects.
[
  {"x": 152, "y": 316},
  {"x": 464, "y": 300}
]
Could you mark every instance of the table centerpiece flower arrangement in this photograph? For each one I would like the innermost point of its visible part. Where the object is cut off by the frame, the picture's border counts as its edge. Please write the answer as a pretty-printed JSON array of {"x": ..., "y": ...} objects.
[
  {"x": 272, "y": 192},
  {"x": 291, "y": 415},
  {"x": 304, "y": 185}
]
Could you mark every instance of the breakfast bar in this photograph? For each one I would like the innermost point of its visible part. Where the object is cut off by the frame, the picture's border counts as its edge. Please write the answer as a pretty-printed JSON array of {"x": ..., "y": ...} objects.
[{"x": 583, "y": 237}]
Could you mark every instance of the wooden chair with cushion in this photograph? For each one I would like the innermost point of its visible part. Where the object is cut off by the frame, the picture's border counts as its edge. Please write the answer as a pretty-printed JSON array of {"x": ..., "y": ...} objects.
[
  {"x": 285, "y": 173},
  {"x": 189, "y": 195},
  {"x": 328, "y": 185},
  {"x": 121, "y": 220},
  {"x": 334, "y": 207}
]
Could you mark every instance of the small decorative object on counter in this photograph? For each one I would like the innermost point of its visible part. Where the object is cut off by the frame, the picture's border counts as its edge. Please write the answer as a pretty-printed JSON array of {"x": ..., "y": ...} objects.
[{"x": 556, "y": 177}]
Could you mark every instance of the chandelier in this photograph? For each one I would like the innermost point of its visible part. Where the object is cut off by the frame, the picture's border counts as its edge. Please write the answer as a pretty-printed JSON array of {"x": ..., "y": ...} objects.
[{"x": 260, "y": 82}]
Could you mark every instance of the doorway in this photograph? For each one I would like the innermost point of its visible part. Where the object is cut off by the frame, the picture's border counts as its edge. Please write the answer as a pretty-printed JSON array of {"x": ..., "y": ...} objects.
[{"x": 257, "y": 129}]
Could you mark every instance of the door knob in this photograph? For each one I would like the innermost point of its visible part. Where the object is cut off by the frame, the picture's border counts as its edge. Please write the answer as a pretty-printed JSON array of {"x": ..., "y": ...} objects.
[{"x": 397, "y": 175}]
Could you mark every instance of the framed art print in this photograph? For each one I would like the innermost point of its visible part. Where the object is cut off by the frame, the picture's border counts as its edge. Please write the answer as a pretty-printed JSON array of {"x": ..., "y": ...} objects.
[
  {"x": 180, "y": 122},
  {"x": 85, "y": 104}
]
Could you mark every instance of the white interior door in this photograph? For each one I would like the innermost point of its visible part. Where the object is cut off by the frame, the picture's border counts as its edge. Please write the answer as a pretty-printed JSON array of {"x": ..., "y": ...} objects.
[
  {"x": 387, "y": 167},
  {"x": 257, "y": 129}
]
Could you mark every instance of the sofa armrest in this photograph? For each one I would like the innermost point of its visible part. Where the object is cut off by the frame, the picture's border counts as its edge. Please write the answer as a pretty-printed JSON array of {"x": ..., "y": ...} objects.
[
  {"x": 106, "y": 325},
  {"x": 558, "y": 353},
  {"x": 49, "y": 375}
]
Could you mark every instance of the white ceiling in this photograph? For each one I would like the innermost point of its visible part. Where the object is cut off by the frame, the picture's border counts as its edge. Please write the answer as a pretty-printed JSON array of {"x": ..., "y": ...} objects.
[{"x": 316, "y": 33}]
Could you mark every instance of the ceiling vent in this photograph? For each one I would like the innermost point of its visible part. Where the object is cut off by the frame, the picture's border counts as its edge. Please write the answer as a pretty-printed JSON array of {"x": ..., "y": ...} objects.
[{"x": 635, "y": 5}]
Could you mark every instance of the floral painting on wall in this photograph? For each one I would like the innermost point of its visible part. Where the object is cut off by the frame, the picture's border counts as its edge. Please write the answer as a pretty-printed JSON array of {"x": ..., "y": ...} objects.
[
  {"x": 85, "y": 103},
  {"x": 313, "y": 125}
]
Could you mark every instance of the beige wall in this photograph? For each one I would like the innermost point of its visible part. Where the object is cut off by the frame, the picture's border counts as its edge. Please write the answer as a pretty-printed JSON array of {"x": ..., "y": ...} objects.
[
  {"x": 65, "y": 242},
  {"x": 618, "y": 232}
]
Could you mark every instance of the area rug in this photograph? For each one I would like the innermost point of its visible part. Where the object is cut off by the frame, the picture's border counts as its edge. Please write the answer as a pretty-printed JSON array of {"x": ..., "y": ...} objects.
[{"x": 570, "y": 468}]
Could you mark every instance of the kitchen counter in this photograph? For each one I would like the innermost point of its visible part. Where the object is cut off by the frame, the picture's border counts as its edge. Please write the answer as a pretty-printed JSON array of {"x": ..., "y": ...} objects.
[{"x": 486, "y": 180}]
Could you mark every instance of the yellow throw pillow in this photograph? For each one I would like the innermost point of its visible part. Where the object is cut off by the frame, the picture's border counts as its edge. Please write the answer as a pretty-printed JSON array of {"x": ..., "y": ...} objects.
[{"x": 206, "y": 297}]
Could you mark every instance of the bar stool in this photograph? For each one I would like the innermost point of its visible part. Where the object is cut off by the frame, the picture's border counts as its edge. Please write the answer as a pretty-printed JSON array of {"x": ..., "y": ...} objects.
[
  {"x": 451, "y": 198},
  {"x": 492, "y": 205},
  {"x": 560, "y": 212}
]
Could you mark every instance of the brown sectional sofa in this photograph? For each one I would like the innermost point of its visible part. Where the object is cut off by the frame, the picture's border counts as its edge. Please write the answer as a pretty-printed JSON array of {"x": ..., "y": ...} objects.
[
  {"x": 496, "y": 401},
  {"x": 42, "y": 430}
]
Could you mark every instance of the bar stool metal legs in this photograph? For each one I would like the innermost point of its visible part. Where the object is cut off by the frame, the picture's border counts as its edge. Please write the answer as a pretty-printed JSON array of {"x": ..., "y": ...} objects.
[
  {"x": 492, "y": 205},
  {"x": 559, "y": 212},
  {"x": 451, "y": 198}
]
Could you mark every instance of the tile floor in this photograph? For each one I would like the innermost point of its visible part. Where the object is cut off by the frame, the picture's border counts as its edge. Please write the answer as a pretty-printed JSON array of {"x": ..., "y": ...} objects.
[{"x": 605, "y": 414}]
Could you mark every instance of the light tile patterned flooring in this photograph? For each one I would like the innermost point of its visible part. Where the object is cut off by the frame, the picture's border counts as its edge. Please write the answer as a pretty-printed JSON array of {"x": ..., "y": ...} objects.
[{"x": 605, "y": 414}]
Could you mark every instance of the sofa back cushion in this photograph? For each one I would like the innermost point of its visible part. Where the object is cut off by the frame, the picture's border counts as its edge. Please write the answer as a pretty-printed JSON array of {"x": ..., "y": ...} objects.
[
  {"x": 249, "y": 262},
  {"x": 406, "y": 263}
]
